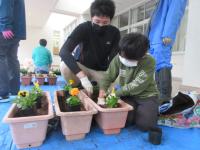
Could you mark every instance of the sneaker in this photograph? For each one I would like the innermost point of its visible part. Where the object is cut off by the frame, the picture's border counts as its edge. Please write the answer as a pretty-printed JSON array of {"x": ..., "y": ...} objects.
[
  {"x": 4, "y": 99},
  {"x": 165, "y": 106}
]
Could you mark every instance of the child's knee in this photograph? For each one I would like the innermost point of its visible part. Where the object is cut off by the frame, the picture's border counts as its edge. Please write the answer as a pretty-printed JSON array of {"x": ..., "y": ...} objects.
[
  {"x": 145, "y": 125},
  {"x": 142, "y": 126}
]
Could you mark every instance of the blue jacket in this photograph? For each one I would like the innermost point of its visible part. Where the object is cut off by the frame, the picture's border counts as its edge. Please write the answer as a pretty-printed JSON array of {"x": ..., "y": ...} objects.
[
  {"x": 12, "y": 16},
  {"x": 165, "y": 23}
]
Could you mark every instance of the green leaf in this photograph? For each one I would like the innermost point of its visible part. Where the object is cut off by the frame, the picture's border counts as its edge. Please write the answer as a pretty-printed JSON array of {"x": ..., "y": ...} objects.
[
  {"x": 73, "y": 101},
  {"x": 25, "y": 102},
  {"x": 67, "y": 87},
  {"x": 111, "y": 101}
]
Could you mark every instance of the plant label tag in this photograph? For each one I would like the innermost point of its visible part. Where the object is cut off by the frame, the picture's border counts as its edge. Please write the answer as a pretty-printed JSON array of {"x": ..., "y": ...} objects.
[{"x": 30, "y": 125}]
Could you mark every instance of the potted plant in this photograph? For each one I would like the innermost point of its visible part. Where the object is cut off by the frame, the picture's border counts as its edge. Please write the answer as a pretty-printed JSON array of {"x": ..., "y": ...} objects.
[
  {"x": 57, "y": 72},
  {"x": 28, "y": 124},
  {"x": 111, "y": 101},
  {"x": 37, "y": 91},
  {"x": 26, "y": 76},
  {"x": 25, "y": 102},
  {"x": 73, "y": 102},
  {"x": 68, "y": 87},
  {"x": 40, "y": 78},
  {"x": 23, "y": 71},
  {"x": 112, "y": 113},
  {"x": 70, "y": 128},
  {"x": 52, "y": 78}
]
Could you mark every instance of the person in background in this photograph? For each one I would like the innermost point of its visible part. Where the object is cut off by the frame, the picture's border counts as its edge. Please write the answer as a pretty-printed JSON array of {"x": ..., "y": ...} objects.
[
  {"x": 42, "y": 58},
  {"x": 132, "y": 73},
  {"x": 99, "y": 44},
  {"x": 162, "y": 34},
  {"x": 12, "y": 30}
]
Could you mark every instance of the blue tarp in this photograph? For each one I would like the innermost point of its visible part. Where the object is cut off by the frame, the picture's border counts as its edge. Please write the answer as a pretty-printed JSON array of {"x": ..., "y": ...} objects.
[{"x": 129, "y": 138}]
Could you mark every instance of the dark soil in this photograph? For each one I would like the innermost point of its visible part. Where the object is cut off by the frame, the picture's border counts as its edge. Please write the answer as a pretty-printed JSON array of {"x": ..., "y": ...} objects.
[{"x": 65, "y": 108}]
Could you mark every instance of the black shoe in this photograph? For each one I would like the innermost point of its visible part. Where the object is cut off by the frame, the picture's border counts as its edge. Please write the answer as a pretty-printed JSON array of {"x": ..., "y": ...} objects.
[
  {"x": 4, "y": 97},
  {"x": 46, "y": 83},
  {"x": 53, "y": 125}
]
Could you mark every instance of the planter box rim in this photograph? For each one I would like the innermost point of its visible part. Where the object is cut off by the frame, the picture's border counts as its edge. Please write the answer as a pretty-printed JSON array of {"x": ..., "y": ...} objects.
[
  {"x": 26, "y": 76},
  {"x": 126, "y": 106},
  {"x": 8, "y": 119},
  {"x": 75, "y": 113},
  {"x": 52, "y": 77}
]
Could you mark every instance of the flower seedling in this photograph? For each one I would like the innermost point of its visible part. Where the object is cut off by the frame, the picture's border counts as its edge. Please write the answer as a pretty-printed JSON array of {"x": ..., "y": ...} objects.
[
  {"x": 111, "y": 100},
  {"x": 73, "y": 100}
]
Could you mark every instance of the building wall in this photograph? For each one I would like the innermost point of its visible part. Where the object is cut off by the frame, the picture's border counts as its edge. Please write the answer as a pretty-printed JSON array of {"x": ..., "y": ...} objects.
[
  {"x": 34, "y": 34},
  {"x": 191, "y": 70},
  {"x": 178, "y": 64}
]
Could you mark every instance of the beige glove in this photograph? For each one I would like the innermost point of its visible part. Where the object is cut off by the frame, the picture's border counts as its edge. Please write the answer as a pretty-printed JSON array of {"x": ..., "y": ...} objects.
[
  {"x": 86, "y": 84},
  {"x": 101, "y": 101}
]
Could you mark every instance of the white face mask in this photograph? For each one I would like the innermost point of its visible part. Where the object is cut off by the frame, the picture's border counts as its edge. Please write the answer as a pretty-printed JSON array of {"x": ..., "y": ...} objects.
[{"x": 128, "y": 63}]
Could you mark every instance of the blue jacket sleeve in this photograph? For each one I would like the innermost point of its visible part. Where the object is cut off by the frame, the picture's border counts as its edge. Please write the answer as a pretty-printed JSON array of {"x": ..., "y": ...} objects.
[
  {"x": 175, "y": 13},
  {"x": 6, "y": 14}
]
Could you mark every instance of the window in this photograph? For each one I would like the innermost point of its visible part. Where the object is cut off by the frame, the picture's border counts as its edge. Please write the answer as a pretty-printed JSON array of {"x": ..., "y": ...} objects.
[
  {"x": 179, "y": 45},
  {"x": 123, "y": 32},
  {"x": 140, "y": 13},
  {"x": 123, "y": 19},
  {"x": 115, "y": 21},
  {"x": 149, "y": 8},
  {"x": 136, "y": 19},
  {"x": 137, "y": 29},
  {"x": 56, "y": 43},
  {"x": 145, "y": 28},
  {"x": 140, "y": 28},
  {"x": 133, "y": 16},
  {"x": 145, "y": 11}
]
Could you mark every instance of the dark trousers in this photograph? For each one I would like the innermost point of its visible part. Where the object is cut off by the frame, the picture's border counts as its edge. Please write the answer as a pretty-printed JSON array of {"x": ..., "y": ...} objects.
[
  {"x": 145, "y": 112},
  {"x": 41, "y": 72},
  {"x": 9, "y": 67},
  {"x": 164, "y": 83}
]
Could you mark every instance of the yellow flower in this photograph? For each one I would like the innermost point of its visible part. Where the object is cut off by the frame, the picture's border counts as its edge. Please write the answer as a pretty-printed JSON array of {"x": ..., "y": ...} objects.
[
  {"x": 113, "y": 91},
  {"x": 36, "y": 84},
  {"x": 23, "y": 93},
  {"x": 71, "y": 82},
  {"x": 74, "y": 91}
]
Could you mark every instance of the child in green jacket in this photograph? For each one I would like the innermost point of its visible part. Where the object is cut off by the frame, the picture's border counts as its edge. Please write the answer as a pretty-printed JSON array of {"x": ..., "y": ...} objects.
[{"x": 132, "y": 72}]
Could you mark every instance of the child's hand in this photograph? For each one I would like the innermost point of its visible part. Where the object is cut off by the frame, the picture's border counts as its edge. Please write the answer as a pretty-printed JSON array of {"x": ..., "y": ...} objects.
[{"x": 102, "y": 94}]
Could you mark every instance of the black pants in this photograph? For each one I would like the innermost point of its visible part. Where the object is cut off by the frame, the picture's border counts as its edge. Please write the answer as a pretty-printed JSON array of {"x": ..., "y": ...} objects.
[
  {"x": 164, "y": 83},
  {"x": 145, "y": 112},
  {"x": 9, "y": 67}
]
